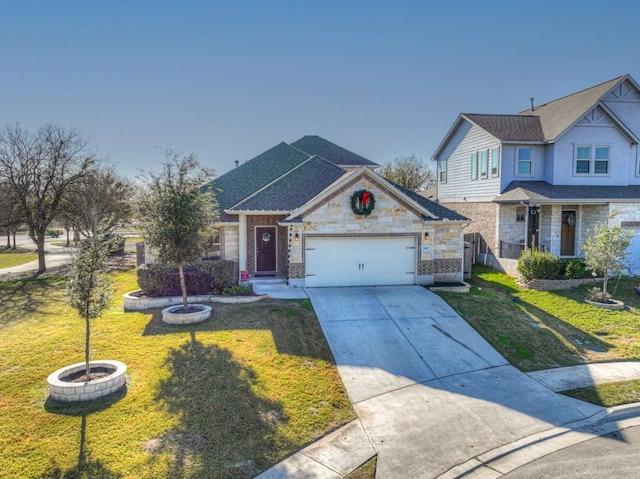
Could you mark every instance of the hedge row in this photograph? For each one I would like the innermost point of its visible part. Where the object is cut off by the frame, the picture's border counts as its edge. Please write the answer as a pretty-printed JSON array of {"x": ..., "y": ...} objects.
[
  {"x": 203, "y": 278},
  {"x": 536, "y": 264}
]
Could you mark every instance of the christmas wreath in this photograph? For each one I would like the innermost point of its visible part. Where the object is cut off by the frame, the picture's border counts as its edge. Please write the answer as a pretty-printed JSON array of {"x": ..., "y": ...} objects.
[{"x": 362, "y": 202}]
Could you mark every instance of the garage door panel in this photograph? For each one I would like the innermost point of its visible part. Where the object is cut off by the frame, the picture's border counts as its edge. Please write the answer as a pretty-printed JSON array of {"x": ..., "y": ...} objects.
[{"x": 332, "y": 261}]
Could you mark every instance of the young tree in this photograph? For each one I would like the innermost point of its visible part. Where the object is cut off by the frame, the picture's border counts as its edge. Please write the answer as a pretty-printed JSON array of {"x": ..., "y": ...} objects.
[
  {"x": 39, "y": 167},
  {"x": 605, "y": 250},
  {"x": 88, "y": 287},
  {"x": 176, "y": 213},
  {"x": 410, "y": 172}
]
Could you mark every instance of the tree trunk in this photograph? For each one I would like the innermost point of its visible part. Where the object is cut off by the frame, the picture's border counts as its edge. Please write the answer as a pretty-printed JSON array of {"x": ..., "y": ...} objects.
[
  {"x": 604, "y": 287},
  {"x": 39, "y": 240},
  {"x": 14, "y": 238},
  {"x": 87, "y": 350},
  {"x": 67, "y": 230},
  {"x": 8, "y": 239},
  {"x": 183, "y": 286}
]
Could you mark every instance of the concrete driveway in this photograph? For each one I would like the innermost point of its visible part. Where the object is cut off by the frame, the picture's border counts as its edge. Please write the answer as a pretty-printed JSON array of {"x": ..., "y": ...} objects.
[{"x": 430, "y": 393}]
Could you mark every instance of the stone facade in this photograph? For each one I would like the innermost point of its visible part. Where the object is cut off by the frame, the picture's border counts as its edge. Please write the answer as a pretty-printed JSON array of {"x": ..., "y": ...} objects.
[{"x": 229, "y": 242}]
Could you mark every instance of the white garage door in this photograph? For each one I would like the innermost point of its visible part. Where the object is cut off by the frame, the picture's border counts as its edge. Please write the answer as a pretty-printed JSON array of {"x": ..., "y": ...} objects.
[{"x": 361, "y": 261}]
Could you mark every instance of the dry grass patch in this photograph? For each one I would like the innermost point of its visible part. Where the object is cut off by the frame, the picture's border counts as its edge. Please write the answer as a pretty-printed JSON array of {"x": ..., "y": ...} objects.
[{"x": 225, "y": 398}]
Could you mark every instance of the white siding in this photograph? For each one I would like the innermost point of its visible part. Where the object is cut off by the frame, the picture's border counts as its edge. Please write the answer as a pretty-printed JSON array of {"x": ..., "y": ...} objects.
[{"x": 466, "y": 140}]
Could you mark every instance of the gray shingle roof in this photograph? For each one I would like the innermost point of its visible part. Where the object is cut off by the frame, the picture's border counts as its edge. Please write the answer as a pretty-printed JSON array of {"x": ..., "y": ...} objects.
[
  {"x": 543, "y": 192},
  {"x": 558, "y": 115},
  {"x": 509, "y": 127},
  {"x": 315, "y": 145},
  {"x": 295, "y": 188},
  {"x": 246, "y": 179},
  {"x": 437, "y": 209}
]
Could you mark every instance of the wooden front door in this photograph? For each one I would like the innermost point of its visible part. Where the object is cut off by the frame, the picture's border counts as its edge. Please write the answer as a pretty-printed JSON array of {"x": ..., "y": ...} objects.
[
  {"x": 266, "y": 250},
  {"x": 568, "y": 234}
]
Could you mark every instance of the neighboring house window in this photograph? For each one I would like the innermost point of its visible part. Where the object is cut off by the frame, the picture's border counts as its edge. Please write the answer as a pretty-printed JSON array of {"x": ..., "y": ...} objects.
[
  {"x": 442, "y": 165},
  {"x": 524, "y": 156},
  {"x": 483, "y": 163},
  {"x": 495, "y": 158},
  {"x": 521, "y": 211},
  {"x": 592, "y": 160},
  {"x": 474, "y": 166}
]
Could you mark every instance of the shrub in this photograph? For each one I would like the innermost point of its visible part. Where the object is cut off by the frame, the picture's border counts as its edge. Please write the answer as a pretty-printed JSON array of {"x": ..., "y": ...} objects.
[
  {"x": 240, "y": 290},
  {"x": 203, "y": 278},
  {"x": 536, "y": 264},
  {"x": 224, "y": 274},
  {"x": 576, "y": 268},
  {"x": 595, "y": 294}
]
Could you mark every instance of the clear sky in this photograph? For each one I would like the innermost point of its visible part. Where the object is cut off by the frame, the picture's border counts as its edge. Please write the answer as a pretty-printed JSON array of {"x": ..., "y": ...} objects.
[{"x": 230, "y": 79}]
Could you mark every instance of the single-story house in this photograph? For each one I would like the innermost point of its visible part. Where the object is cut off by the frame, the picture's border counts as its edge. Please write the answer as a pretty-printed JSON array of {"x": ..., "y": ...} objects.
[{"x": 319, "y": 215}]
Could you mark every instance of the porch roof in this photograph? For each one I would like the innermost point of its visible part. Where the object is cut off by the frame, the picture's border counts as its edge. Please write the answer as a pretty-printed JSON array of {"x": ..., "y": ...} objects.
[{"x": 541, "y": 192}]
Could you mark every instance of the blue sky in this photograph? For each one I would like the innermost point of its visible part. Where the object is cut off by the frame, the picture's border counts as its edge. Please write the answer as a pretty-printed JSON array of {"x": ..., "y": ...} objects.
[{"x": 228, "y": 80}]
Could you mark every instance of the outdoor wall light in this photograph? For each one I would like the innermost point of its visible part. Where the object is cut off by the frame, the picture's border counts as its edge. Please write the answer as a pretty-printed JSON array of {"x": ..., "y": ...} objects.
[
  {"x": 426, "y": 236},
  {"x": 296, "y": 238}
]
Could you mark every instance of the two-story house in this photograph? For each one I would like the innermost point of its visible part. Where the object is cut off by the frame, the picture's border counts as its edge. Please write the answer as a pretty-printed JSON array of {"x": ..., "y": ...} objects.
[{"x": 545, "y": 176}]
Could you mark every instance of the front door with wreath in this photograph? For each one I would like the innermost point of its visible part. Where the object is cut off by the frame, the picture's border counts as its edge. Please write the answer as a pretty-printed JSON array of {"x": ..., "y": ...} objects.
[{"x": 568, "y": 234}]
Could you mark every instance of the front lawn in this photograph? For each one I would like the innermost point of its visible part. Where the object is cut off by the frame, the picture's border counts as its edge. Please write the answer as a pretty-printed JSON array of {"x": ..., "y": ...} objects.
[
  {"x": 10, "y": 258},
  {"x": 225, "y": 398},
  {"x": 609, "y": 394},
  {"x": 545, "y": 329}
]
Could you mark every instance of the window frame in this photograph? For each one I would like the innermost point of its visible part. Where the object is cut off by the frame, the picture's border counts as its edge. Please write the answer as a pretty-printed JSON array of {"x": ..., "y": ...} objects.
[
  {"x": 530, "y": 161},
  {"x": 474, "y": 166},
  {"x": 484, "y": 164},
  {"x": 442, "y": 172},
  {"x": 593, "y": 160},
  {"x": 521, "y": 214},
  {"x": 495, "y": 162}
]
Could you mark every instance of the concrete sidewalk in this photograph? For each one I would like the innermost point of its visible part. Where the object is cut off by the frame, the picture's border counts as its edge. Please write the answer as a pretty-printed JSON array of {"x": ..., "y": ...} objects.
[
  {"x": 431, "y": 395},
  {"x": 55, "y": 256}
]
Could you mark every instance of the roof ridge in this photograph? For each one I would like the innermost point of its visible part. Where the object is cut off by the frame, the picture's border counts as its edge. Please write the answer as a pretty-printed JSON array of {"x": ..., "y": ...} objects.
[
  {"x": 285, "y": 174},
  {"x": 541, "y": 105}
]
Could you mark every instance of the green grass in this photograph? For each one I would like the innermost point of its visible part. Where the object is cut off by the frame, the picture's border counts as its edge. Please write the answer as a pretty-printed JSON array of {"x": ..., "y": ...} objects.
[
  {"x": 10, "y": 258},
  {"x": 366, "y": 471},
  {"x": 544, "y": 329},
  {"x": 226, "y": 398},
  {"x": 609, "y": 394}
]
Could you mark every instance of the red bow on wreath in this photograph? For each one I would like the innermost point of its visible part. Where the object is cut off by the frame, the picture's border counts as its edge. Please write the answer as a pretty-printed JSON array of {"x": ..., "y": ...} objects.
[{"x": 365, "y": 198}]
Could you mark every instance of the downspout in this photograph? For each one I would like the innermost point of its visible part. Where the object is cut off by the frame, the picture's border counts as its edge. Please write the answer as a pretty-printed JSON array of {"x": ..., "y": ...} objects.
[{"x": 242, "y": 242}]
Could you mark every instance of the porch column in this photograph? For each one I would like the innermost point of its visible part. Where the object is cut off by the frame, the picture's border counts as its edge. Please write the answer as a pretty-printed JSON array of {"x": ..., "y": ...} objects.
[{"x": 242, "y": 242}]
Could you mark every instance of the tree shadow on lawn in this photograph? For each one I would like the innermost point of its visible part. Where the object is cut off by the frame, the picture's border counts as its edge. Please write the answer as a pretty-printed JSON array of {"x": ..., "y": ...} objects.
[
  {"x": 294, "y": 327},
  {"x": 225, "y": 429},
  {"x": 21, "y": 298},
  {"x": 86, "y": 466}
]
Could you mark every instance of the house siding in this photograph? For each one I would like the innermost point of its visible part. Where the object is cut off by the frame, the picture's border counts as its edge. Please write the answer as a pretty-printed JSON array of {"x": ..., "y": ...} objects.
[
  {"x": 509, "y": 164},
  {"x": 467, "y": 139}
]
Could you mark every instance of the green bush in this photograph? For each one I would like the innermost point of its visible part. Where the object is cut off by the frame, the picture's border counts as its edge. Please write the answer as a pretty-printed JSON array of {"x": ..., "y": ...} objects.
[
  {"x": 575, "y": 268},
  {"x": 240, "y": 290},
  {"x": 536, "y": 264},
  {"x": 224, "y": 274},
  {"x": 202, "y": 278}
]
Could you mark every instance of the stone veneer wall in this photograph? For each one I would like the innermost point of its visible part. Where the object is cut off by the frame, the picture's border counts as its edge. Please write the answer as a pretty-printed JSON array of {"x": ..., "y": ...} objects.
[
  {"x": 485, "y": 222},
  {"x": 229, "y": 242},
  {"x": 282, "y": 234},
  {"x": 438, "y": 256},
  {"x": 511, "y": 230}
]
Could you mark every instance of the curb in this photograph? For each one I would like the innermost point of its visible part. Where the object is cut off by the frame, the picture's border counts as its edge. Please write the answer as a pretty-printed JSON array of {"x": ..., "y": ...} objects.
[{"x": 505, "y": 459}]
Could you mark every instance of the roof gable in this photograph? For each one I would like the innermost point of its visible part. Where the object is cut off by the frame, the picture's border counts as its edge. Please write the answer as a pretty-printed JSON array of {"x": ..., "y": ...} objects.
[
  {"x": 315, "y": 145},
  {"x": 559, "y": 115},
  {"x": 421, "y": 206},
  {"x": 294, "y": 188}
]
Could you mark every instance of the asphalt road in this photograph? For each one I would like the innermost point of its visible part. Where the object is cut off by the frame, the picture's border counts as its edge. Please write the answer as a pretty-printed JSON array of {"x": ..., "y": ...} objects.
[{"x": 614, "y": 456}]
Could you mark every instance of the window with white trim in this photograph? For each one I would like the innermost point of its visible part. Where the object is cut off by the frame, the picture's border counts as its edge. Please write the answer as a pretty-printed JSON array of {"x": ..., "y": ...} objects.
[
  {"x": 484, "y": 172},
  {"x": 591, "y": 160},
  {"x": 524, "y": 161},
  {"x": 474, "y": 166},
  {"x": 442, "y": 167},
  {"x": 495, "y": 158}
]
